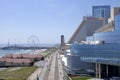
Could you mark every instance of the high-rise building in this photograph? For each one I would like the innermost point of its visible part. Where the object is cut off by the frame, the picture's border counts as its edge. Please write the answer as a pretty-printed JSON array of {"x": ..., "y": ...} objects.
[
  {"x": 101, "y": 12},
  {"x": 110, "y": 26},
  {"x": 97, "y": 54},
  {"x": 62, "y": 40},
  {"x": 103, "y": 49},
  {"x": 86, "y": 28}
]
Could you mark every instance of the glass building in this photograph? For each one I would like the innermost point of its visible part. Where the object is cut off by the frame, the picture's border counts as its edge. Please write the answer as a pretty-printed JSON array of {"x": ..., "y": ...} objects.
[
  {"x": 117, "y": 23},
  {"x": 108, "y": 37},
  {"x": 101, "y": 12},
  {"x": 105, "y": 53}
]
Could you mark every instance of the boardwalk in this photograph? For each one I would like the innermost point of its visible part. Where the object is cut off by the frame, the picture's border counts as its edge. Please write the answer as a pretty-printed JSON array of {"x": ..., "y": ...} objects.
[{"x": 52, "y": 69}]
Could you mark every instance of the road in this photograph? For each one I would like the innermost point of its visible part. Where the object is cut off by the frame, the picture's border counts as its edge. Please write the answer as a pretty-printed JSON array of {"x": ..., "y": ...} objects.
[{"x": 53, "y": 69}]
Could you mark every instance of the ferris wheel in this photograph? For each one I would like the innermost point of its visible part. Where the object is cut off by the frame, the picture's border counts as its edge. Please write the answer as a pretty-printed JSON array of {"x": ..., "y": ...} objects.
[{"x": 33, "y": 40}]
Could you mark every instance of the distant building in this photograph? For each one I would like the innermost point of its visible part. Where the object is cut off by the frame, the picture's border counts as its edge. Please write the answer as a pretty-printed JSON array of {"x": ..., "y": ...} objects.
[
  {"x": 10, "y": 62},
  {"x": 101, "y": 12},
  {"x": 87, "y": 28},
  {"x": 111, "y": 25},
  {"x": 19, "y": 59},
  {"x": 62, "y": 40}
]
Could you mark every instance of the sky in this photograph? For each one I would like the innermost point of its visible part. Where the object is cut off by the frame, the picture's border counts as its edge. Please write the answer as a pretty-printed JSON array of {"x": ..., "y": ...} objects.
[{"x": 46, "y": 19}]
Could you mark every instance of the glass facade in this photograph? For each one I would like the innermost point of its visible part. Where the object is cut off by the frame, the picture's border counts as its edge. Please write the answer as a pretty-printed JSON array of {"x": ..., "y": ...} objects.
[
  {"x": 108, "y": 37},
  {"x": 107, "y": 53},
  {"x": 110, "y": 50},
  {"x": 117, "y": 23},
  {"x": 101, "y": 12}
]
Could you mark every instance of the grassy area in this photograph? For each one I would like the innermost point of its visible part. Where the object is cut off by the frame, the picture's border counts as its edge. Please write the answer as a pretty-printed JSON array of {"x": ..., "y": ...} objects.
[
  {"x": 18, "y": 74},
  {"x": 53, "y": 50},
  {"x": 81, "y": 78}
]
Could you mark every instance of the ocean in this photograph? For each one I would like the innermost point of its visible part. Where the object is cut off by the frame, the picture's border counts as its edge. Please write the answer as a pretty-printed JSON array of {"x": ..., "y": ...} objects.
[
  {"x": 4, "y": 52},
  {"x": 40, "y": 45}
]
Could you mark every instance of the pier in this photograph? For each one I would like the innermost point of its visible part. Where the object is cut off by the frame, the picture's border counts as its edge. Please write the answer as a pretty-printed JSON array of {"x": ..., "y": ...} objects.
[{"x": 23, "y": 47}]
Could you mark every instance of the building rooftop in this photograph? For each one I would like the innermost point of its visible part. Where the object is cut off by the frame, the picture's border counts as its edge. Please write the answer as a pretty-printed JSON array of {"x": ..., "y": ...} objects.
[
  {"x": 11, "y": 60},
  {"x": 85, "y": 20},
  {"x": 22, "y": 56}
]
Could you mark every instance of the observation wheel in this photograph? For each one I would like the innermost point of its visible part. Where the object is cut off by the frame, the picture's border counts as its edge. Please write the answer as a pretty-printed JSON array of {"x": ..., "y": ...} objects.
[{"x": 33, "y": 40}]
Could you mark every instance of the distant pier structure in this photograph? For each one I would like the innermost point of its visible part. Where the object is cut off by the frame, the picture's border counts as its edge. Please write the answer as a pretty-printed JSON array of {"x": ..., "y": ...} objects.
[{"x": 16, "y": 47}]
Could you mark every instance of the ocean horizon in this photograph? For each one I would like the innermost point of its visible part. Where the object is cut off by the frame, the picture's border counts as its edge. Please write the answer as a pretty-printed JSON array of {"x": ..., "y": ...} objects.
[{"x": 40, "y": 45}]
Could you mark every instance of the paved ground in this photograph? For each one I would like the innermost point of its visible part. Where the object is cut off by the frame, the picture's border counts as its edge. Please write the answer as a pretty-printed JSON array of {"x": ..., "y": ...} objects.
[
  {"x": 56, "y": 75},
  {"x": 45, "y": 72},
  {"x": 35, "y": 74},
  {"x": 60, "y": 68},
  {"x": 51, "y": 69},
  {"x": 40, "y": 63}
]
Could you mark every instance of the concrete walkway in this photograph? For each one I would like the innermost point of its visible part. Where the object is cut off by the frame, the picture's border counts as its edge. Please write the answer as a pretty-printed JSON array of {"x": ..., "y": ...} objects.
[
  {"x": 60, "y": 68},
  {"x": 52, "y": 68},
  {"x": 45, "y": 71},
  {"x": 35, "y": 74}
]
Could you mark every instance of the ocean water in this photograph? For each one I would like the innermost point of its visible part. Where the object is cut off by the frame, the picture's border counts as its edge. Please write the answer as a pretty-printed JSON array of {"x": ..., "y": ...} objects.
[
  {"x": 4, "y": 52},
  {"x": 40, "y": 45}
]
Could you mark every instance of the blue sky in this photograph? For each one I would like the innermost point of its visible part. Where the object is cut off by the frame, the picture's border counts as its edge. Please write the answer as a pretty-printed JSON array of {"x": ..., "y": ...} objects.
[{"x": 47, "y": 19}]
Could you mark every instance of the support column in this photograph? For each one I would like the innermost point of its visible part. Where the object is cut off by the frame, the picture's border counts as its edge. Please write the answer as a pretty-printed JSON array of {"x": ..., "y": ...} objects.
[
  {"x": 99, "y": 73},
  {"x": 107, "y": 71},
  {"x": 96, "y": 67},
  {"x": 119, "y": 70},
  {"x": 98, "y": 70}
]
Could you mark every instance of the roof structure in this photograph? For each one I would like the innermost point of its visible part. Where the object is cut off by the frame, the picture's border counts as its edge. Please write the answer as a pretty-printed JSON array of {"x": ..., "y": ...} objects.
[
  {"x": 85, "y": 20},
  {"x": 22, "y": 56},
  {"x": 11, "y": 60}
]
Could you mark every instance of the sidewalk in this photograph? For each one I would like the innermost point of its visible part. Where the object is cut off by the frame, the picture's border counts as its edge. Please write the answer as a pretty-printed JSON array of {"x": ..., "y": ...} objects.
[
  {"x": 60, "y": 67},
  {"x": 34, "y": 75}
]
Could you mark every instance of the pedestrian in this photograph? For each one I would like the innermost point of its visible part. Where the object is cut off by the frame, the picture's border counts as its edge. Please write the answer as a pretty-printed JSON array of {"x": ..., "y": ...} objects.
[{"x": 37, "y": 78}]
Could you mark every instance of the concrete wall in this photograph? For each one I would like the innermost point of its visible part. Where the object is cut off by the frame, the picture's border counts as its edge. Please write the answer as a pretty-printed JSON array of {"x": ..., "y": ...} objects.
[
  {"x": 115, "y": 11},
  {"x": 7, "y": 64}
]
